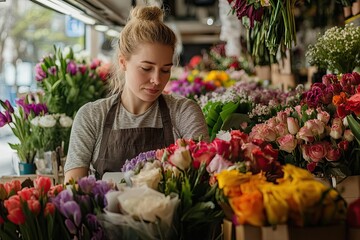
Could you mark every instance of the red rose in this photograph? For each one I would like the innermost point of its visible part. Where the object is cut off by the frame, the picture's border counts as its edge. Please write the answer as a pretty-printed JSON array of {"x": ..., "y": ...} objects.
[{"x": 353, "y": 214}]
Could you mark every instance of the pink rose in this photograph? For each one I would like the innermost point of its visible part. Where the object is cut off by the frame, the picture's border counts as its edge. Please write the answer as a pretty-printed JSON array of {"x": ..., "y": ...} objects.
[
  {"x": 348, "y": 135},
  {"x": 304, "y": 151},
  {"x": 336, "y": 131},
  {"x": 218, "y": 164},
  {"x": 281, "y": 117},
  {"x": 281, "y": 129},
  {"x": 323, "y": 116},
  {"x": 316, "y": 126},
  {"x": 293, "y": 125},
  {"x": 305, "y": 134},
  {"x": 311, "y": 166},
  {"x": 287, "y": 143},
  {"x": 333, "y": 154},
  {"x": 204, "y": 152},
  {"x": 264, "y": 132},
  {"x": 181, "y": 158},
  {"x": 222, "y": 147},
  {"x": 317, "y": 151}
]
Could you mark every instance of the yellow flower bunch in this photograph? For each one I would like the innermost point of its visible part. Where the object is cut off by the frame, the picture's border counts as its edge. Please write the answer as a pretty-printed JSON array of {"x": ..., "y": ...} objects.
[
  {"x": 219, "y": 78},
  {"x": 297, "y": 199}
]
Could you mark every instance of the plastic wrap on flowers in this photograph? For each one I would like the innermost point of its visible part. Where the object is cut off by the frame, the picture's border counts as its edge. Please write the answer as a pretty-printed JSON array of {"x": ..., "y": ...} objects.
[{"x": 139, "y": 213}]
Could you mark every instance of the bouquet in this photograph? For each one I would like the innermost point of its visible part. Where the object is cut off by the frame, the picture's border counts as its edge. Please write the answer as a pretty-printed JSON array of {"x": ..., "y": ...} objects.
[
  {"x": 337, "y": 50},
  {"x": 188, "y": 168},
  {"x": 139, "y": 213},
  {"x": 19, "y": 119},
  {"x": 296, "y": 199},
  {"x": 69, "y": 83}
]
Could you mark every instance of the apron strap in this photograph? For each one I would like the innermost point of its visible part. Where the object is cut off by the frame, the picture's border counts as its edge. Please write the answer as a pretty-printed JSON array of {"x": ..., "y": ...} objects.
[
  {"x": 166, "y": 121},
  {"x": 109, "y": 121}
]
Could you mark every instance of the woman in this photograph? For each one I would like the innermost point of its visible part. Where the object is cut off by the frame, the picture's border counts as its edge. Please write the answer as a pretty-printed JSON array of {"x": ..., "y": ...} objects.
[{"x": 137, "y": 117}]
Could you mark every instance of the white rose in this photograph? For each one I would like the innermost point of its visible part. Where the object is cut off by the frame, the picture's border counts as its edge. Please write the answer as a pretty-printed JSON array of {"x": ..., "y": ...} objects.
[
  {"x": 148, "y": 204},
  {"x": 150, "y": 178},
  {"x": 35, "y": 121},
  {"x": 181, "y": 158},
  {"x": 47, "y": 121},
  {"x": 65, "y": 121}
]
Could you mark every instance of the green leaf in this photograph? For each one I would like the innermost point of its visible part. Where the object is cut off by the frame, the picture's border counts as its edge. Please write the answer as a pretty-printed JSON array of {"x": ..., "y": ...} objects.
[
  {"x": 354, "y": 126},
  {"x": 234, "y": 120}
]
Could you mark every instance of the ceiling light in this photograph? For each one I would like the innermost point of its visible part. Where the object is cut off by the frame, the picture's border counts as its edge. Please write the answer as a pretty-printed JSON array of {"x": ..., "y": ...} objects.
[
  {"x": 113, "y": 33},
  {"x": 101, "y": 28}
]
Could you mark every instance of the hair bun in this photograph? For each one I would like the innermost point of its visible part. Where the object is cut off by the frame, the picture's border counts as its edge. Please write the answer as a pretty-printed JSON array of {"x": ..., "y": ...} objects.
[{"x": 147, "y": 13}]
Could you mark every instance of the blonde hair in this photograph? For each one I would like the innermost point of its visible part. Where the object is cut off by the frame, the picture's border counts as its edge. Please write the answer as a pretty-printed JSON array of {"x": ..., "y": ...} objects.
[{"x": 145, "y": 25}]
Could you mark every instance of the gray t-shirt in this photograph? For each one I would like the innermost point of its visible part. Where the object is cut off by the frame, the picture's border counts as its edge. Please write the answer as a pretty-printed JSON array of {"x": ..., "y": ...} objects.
[{"x": 86, "y": 134}]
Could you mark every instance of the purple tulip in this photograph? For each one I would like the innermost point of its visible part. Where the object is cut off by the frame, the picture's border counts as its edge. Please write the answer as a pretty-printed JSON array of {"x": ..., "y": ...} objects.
[
  {"x": 71, "y": 68},
  {"x": 52, "y": 70},
  {"x": 39, "y": 73},
  {"x": 8, "y": 106},
  {"x": 70, "y": 226},
  {"x": 87, "y": 184},
  {"x": 71, "y": 210},
  {"x": 3, "y": 119}
]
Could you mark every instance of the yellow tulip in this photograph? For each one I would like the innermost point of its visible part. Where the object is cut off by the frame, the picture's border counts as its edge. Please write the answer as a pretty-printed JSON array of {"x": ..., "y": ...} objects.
[{"x": 275, "y": 205}]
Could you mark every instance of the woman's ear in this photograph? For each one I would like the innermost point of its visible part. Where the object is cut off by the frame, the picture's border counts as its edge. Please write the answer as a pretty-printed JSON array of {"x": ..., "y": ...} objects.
[{"x": 122, "y": 63}]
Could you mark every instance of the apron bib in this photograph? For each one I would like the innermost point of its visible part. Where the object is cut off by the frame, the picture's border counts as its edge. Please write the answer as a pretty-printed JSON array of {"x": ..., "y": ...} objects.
[{"x": 119, "y": 145}]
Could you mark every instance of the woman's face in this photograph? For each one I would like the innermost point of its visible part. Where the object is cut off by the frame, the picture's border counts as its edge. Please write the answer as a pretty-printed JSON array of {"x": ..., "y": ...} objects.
[{"x": 147, "y": 71}]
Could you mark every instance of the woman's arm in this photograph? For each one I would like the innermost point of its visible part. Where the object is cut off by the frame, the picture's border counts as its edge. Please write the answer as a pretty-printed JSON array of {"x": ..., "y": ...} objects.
[{"x": 76, "y": 173}]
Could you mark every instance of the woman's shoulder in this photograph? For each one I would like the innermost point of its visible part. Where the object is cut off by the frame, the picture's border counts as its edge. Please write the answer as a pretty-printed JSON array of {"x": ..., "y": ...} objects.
[
  {"x": 99, "y": 106},
  {"x": 177, "y": 100}
]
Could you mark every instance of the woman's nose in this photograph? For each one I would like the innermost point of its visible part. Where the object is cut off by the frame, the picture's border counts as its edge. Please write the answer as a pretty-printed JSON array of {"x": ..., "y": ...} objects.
[{"x": 155, "y": 78}]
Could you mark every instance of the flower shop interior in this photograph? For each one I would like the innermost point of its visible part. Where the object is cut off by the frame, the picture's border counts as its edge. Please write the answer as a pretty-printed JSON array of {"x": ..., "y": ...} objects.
[{"x": 276, "y": 81}]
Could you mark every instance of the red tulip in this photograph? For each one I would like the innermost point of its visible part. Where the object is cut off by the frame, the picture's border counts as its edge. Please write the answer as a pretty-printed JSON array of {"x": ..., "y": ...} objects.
[
  {"x": 353, "y": 214},
  {"x": 43, "y": 184},
  {"x": 49, "y": 209}
]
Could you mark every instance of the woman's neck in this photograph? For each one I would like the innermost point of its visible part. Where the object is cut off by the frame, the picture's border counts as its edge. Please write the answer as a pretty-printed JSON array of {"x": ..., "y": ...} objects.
[{"x": 133, "y": 104}]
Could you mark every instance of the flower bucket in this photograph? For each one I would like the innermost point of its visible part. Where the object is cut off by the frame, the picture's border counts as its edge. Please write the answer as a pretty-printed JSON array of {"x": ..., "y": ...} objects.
[{"x": 27, "y": 168}]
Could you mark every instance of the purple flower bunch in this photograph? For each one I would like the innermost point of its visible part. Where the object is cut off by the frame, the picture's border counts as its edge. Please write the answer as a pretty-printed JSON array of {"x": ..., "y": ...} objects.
[
  {"x": 253, "y": 10},
  {"x": 78, "y": 206},
  {"x": 191, "y": 89},
  {"x": 19, "y": 119},
  {"x": 135, "y": 164}
]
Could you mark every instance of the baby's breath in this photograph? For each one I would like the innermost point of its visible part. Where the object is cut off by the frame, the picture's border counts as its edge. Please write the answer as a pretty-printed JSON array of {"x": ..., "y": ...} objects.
[{"x": 338, "y": 50}]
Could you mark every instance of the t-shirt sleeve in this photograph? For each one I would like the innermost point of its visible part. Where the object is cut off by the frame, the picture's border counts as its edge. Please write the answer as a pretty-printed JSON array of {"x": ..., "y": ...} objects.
[
  {"x": 82, "y": 139},
  {"x": 191, "y": 121}
]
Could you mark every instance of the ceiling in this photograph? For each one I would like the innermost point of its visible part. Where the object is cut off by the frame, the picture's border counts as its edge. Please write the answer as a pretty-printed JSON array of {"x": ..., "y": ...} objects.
[{"x": 114, "y": 14}]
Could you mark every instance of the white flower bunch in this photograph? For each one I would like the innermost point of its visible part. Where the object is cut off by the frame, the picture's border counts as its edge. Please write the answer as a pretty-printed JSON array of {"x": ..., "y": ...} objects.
[
  {"x": 51, "y": 131},
  {"x": 338, "y": 50}
]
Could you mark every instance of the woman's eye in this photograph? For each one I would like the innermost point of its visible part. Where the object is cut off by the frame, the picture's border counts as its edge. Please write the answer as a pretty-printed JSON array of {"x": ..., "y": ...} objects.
[
  {"x": 146, "y": 69},
  {"x": 165, "y": 71}
]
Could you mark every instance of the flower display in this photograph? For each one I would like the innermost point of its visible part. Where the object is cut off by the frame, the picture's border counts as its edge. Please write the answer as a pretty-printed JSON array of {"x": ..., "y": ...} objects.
[
  {"x": 334, "y": 46},
  {"x": 243, "y": 105},
  {"x": 43, "y": 211},
  {"x": 18, "y": 118},
  {"x": 69, "y": 83},
  {"x": 297, "y": 199},
  {"x": 309, "y": 138}
]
